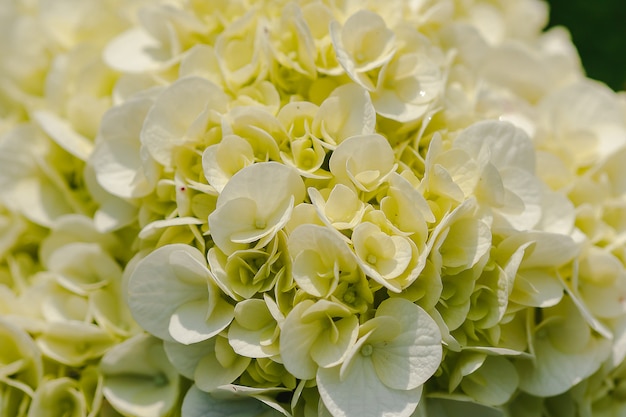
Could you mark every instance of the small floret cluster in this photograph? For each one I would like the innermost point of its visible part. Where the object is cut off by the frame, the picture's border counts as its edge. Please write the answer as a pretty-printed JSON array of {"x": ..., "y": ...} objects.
[{"x": 307, "y": 208}]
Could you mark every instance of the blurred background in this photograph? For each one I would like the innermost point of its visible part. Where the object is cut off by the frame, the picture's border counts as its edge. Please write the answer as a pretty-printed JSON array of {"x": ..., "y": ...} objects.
[{"x": 598, "y": 29}]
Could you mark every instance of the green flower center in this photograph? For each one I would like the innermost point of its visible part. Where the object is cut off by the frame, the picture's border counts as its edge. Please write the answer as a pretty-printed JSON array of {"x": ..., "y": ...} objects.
[
  {"x": 367, "y": 350},
  {"x": 160, "y": 380}
]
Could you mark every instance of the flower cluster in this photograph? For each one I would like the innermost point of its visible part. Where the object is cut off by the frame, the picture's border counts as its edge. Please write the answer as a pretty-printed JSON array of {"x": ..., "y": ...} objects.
[{"x": 307, "y": 208}]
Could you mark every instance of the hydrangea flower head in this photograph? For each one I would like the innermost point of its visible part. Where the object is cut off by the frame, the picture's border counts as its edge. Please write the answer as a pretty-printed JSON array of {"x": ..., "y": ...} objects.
[{"x": 307, "y": 208}]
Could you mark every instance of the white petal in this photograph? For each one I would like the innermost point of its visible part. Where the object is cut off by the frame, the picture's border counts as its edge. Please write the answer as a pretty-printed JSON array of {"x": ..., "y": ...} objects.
[
  {"x": 347, "y": 112},
  {"x": 122, "y": 166},
  {"x": 151, "y": 230},
  {"x": 519, "y": 68},
  {"x": 416, "y": 200},
  {"x": 74, "y": 343},
  {"x": 248, "y": 342},
  {"x": 453, "y": 407},
  {"x": 264, "y": 182},
  {"x": 180, "y": 115},
  {"x": 326, "y": 352},
  {"x": 468, "y": 241},
  {"x": 548, "y": 249},
  {"x": 189, "y": 323},
  {"x": 536, "y": 288},
  {"x": 136, "y": 51},
  {"x": 211, "y": 373},
  {"x": 220, "y": 162},
  {"x": 198, "y": 403},
  {"x": 366, "y": 160},
  {"x": 296, "y": 339},
  {"x": 361, "y": 394},
  {"x": 255, "y": 204},
  {"x": 83, "y": 267},
  {"x": 554, "y": 372},
  {"x": 316, "y": 251},
  {"x": 493, "y": 383},
  {"x": 410, "y": 359},
  {"x": 62, "y": 392},
  {"x": 586, "y": 106},
  {"x": 63, "y": 134},
  {"x": 249, "y": 333},
  {"x": 18, "y": 345},
  {"x": 185, "y": 358},
  {"x": 39, "y": 200},
  {"x": 390, "y": 105},
  {"x": 113, "y": 214},
  {"x": 138, "y": 378},
  {"x": 522, "y": 199},
  {"x": 508, "y": 145},
  {"x": 155, "y": 292}
]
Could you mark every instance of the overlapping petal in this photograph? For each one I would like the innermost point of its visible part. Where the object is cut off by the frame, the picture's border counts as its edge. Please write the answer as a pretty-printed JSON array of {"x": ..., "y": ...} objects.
[
  {"x": 255, "y": 205},
  {"x": 171, "y": 294}
]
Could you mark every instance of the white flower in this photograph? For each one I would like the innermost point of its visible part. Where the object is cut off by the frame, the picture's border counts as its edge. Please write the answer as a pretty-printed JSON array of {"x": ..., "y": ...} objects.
[
  {"x": 157, "y": 44},
  {"x": 362, "y": 44},
  {"x": 171, "y": 294},
  {"x": 363, "y": 161},
  {"x": 316, "y": 334},
  {"x": 306, "y": 208},
  {"x": 564, "y": 354},
  {"x": 321, "y": 259},
  {"x": 254, "y": 205},
  {"x": 61, "y": 393},
  {"x": 348, "y": 111},
  {"x": 121, "y": 163},
  {"x": 138, "y": 379},
  {"x": 397, "y": 351},
  {"x": 180, "y": 116},
  {"x": 241, "y": 50}
]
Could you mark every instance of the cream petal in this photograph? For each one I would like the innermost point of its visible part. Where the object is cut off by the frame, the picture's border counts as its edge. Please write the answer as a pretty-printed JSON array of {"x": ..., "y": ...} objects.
[
  {"x": 211, "y": 373},
  {"x": 191, "y": 323},
  {"x": 179, "y": 116},
  {"x": 493, "y": 383},
  {"x": 327, "y": 352},
  {"x": 83, "y": 267},
  {"x": 508, "y": 145},
  {"x": 73, "y": 342},
  {"x": 348, "y": 111},
  {"x": 138, "y": 379},
  {"x": 198, "y": 403},
  {"x": 316, "y": 252},
  {"x": 296, "y": 339},
  {"x": 220, "y": 162},
  {"x": 137, "y": 51},
  {"x": 255, "y": 204},
  {"x": 122, "y": 166},
  {"x": 553, "y": 372},
  {"x": 185, "y": 358},
  {"x": 57, "y": 393},
  {"x": 537, "y": 288},
  {"x": 155, "y": 291},
  {"x": 248, "y": 333},
  {"x": 361, "y": 393},
  {"x": 64, "y": 134},
  {"x": 365, "y": 160},
  {"x": 410, "y": 359}
]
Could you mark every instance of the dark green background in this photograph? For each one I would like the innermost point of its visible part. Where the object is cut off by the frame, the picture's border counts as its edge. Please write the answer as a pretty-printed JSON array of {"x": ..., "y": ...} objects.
[{"x": 598, "y": 29}]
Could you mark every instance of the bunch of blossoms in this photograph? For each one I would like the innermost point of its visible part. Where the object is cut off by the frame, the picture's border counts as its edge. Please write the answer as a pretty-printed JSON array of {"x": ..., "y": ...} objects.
[
  {"x": 307, "y": 208},
  {"x": 62, "y": 243}
]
